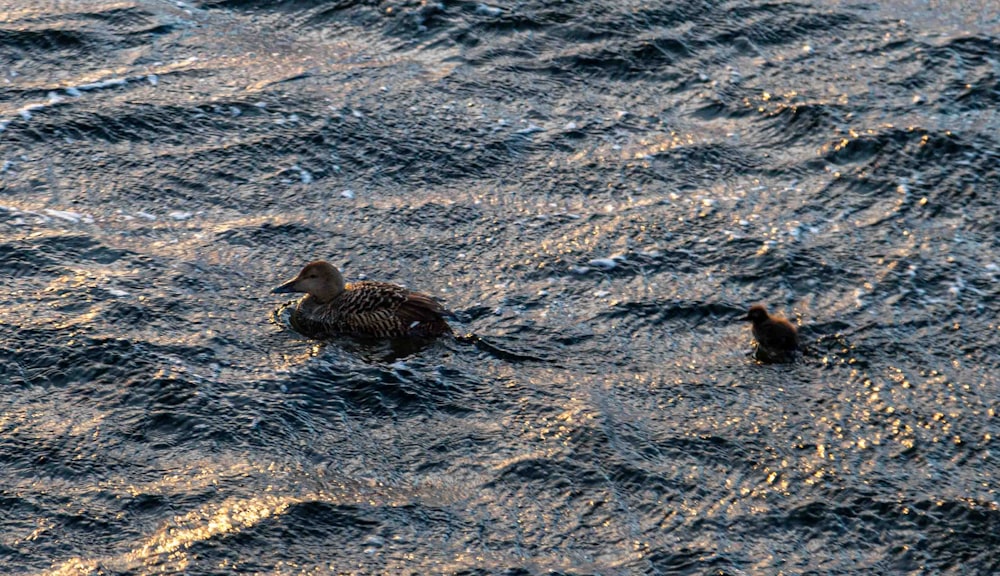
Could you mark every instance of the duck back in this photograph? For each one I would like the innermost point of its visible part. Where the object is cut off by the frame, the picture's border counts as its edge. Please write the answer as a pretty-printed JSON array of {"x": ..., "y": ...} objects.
[{"x": 372, "y": 309}]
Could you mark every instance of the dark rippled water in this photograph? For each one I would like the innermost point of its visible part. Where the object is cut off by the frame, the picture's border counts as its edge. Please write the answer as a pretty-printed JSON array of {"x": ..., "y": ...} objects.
[{"x": 598, "y": 188}]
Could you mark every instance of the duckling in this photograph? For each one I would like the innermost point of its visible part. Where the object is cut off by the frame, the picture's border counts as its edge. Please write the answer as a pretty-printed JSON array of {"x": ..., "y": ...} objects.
[
  {"x": 367, "y": 309},
  {"x": 777, "y": 338}
]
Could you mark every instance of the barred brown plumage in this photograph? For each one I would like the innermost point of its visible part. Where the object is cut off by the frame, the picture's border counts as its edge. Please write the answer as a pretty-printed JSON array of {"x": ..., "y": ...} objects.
[{"x": 373, "y": 309}]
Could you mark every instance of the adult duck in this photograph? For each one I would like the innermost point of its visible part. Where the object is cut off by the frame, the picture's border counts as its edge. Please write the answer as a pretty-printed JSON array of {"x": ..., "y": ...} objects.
[{"x": 367, "y": 309}]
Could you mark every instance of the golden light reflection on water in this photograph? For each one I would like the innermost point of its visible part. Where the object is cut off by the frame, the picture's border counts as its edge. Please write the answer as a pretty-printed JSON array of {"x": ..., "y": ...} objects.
[
  {"x": 231, "y": 516},
  {"x": 563, "y": 425},
  {"x": 641, "y": 150},
  {"x": 166, "y": 549}
]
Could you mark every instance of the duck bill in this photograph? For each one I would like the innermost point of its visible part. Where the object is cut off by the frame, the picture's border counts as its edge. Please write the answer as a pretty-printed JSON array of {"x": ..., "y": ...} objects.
[{"x": 286, "y": 288}]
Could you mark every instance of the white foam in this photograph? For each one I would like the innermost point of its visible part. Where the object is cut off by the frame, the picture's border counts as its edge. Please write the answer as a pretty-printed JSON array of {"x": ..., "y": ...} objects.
[
  {"x": 27, "y": 110},
  {"x": 603, "y": 263},
  {"x": 531, "y": 129},
  {"x": 74, "y": 217},
  {"x": 487, "y": 10},
  {"x": 347, "y": 194},
  {"x": 179, "y": 215},
  {"x": 102, "y": 84},
  {"x": 304, "y": 175},
  {"x": 375, "y": 541},
  {"x": 608, "y": 263}
]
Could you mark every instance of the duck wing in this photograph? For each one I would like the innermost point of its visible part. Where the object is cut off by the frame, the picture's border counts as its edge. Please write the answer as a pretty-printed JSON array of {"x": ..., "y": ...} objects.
[
  {"x": 423, "y": 315},
  {"x": 390, "y": 311}
]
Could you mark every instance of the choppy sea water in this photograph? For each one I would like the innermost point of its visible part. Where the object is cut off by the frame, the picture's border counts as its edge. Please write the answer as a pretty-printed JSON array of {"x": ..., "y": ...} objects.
[{"x": 597, "y": 188}]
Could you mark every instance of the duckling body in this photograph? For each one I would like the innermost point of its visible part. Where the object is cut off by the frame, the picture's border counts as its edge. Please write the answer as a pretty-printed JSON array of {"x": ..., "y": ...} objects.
[
  {"x": 367, "y": 309},
  {"x": 777, "y": 338}
]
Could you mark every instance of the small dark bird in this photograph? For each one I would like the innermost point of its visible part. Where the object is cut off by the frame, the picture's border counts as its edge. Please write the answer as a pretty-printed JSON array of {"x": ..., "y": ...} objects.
[
  {"x": 368, "y": 309},
  {"x": 777, "y": 338}
]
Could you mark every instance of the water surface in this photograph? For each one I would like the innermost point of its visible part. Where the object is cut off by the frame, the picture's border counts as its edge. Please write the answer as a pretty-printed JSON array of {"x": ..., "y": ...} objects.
[{"x": 598, "y": 188}]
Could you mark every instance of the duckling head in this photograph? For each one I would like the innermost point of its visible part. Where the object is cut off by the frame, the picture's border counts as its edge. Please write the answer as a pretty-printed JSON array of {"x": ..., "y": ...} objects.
[
  {"x": 319, "y": 279},
  {"x": 757, "y": 314}
]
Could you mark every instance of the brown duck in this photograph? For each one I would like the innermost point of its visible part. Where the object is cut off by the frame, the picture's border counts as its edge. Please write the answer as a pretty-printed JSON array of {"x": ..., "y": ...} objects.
[
  {"x": 777, "y": 338},
  {"x": 368, "y": 309}
]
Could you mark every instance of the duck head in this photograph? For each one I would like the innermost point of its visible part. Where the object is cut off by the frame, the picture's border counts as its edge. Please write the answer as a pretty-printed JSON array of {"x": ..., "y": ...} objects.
[
  {"x": 756, "y": 314},
  {"x": 319, "y": 279}
]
